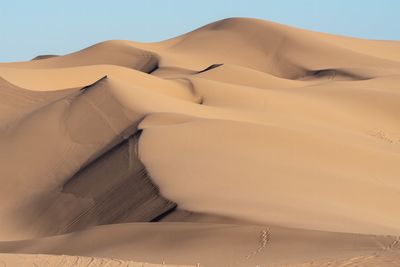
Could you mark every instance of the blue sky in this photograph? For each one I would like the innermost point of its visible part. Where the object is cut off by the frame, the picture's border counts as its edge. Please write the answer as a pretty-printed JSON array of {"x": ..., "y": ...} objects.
[{"x": 32, "y": 27}]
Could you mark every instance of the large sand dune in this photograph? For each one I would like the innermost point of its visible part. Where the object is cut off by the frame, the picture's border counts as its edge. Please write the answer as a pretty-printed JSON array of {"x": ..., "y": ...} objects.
[{"x": 241, "y": 143}]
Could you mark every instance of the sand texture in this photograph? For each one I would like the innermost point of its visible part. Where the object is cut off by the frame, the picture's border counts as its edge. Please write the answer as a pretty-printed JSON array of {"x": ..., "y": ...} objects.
[{"x": 241, "y": 143}]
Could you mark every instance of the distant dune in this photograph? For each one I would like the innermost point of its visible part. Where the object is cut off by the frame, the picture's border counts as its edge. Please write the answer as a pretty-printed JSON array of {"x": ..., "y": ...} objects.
[
  {"x": 43, "y": 57},
  {"x": 241, "y": 143}
]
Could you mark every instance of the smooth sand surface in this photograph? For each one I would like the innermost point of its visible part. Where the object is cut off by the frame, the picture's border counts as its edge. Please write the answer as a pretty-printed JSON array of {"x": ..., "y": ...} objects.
[
  {"x": 207, "y": 243},
  {"x": 241, "y": 143}
]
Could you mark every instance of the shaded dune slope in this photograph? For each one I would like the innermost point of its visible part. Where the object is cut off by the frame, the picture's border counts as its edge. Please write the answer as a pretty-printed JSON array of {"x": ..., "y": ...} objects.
[
  {"x": 113, "y": 188},
  {"x": 102, "y": 182},
  {"x": 40, "y": 57}
]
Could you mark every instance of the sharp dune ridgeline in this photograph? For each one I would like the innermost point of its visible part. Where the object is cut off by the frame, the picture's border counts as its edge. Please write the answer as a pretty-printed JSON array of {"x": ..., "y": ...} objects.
[{"x": 241, "y": 143}]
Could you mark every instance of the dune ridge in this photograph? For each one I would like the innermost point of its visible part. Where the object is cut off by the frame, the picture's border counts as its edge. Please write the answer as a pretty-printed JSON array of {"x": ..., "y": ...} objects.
[{"x": 241, "y": 143}]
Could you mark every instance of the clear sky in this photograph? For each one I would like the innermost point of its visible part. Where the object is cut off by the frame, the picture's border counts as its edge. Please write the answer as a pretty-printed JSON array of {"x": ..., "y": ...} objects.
[{"x": 32, "y": 27}]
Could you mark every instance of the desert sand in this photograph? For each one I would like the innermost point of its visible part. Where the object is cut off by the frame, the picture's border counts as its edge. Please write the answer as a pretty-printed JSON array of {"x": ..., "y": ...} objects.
[{"x": 241, "y": 143}]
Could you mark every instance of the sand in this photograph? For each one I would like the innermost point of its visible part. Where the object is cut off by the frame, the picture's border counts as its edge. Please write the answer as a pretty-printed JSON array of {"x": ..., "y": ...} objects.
[
  {"x": 241, "y": 143},
  {"x": 23, "y": 260}
]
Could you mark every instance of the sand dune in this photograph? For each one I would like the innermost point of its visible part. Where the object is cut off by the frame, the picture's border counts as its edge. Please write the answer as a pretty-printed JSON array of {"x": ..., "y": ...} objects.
[
  {"x": 119, "y": 53},
  {"x": 43, "y": 57},
  {"x": 241, "y": 143}
]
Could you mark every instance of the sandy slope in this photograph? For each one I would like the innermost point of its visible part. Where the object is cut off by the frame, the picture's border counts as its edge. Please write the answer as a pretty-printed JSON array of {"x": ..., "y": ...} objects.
[
  {"x": 257, "y": 122},
  {"x": 24, "y": 260},
  {"x": 208, "y": 244}
]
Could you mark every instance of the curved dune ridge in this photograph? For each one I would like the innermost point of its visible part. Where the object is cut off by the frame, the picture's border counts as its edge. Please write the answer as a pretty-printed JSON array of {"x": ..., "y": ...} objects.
[{"x": 241, "y": 143}]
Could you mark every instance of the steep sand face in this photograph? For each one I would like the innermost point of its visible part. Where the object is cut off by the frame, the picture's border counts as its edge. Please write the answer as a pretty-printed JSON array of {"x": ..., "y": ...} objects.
[
  {"x": 54, "y": 189},
  {"x": 263, "y": 125}
]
